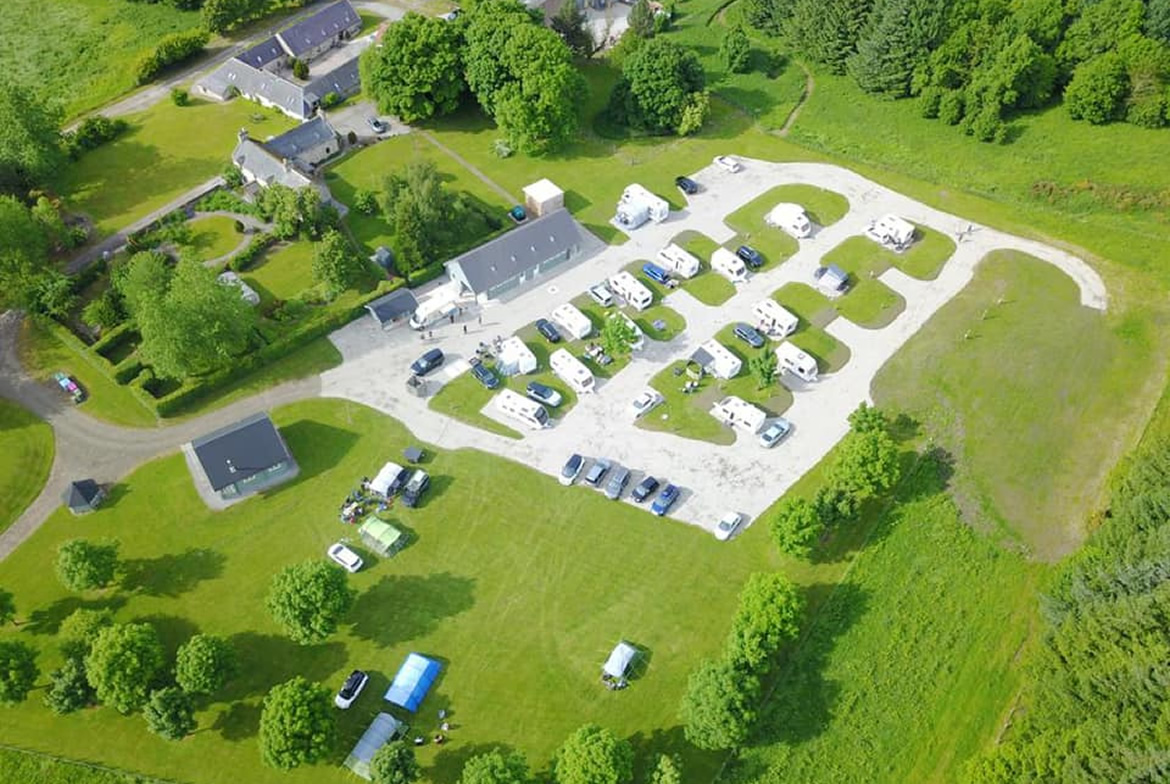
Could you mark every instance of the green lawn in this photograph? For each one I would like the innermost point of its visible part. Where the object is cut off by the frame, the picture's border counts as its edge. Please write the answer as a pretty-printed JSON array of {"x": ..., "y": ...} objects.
[
  {"x": 868, "y": 302},
  {"x": 541, "y": 349},
  {"x": 923, "y": 260},
  {"x": 283, "y": 271},
  {"x": 514, "y": 595},
  {"x": 214, "y": 236},
  {"x": 707, "y": 287},
  {"x": 686, "y": 414},
  {"x": 824, "y": 207},
  {"x": 26, "y": 455},
  {"x": 1040, "y": 383},
  {"x": 772, "y": 243},
  {"x": 464, "y": 398},
  {"x": 671, "y": 320},
  {"x": 33, "y": 768},
  {"x": 160, "y": 158},
  {"x": 774, "y": 398},
  {"x": 814, "y": 311}
]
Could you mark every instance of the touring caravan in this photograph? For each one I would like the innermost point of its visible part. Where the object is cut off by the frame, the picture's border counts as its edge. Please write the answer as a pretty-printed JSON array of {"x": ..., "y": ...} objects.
[
  {"x": 525, "y": 411},
  {"x": 729, "y": 265},
  {"x": 639, "y": 205},
  {"x": 631, "y": 290},
  {"x": 717, "y": 359},
  {"x": 573, "y": 321},
  {"x": 773, "y": 319},
  {"x": 892, "y": 231},
  {"x": 790, "y": 218},
  {"x": 738, "y": 413},
  {"x": 572, "y": 371},
  {"x": 796, "y": 361},
  {"x": 678, "y": 261}
]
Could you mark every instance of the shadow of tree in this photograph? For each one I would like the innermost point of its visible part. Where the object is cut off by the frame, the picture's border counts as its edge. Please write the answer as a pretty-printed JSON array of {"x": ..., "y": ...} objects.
[
  {"x": 240, "y": 721},
  {"x": 403, "y": 607},
  {"x": 672, "y": 742},
  {"x": 269, "y": 659},
  {"x": 172, "y": 574},
  {"x": 47, "y": 620},
  {"x": 172, "y": 630}
]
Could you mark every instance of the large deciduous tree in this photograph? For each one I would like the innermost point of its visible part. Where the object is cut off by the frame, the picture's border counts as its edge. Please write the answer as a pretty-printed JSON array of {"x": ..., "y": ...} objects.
[
  {"x": 169, "y": 713},
  {"x": 336, "y": 263},
  {"x": 309, "y": 599},
  {"x": 866, "y": 464},
  {"x": 417, "y": 70},
  {"x": 81, "y": 628},
  {"x": 69, "y": 688},
  {"x": 419, "y": 208},
  {"x": 718, "y": 709},
  {"x": 659, "y": 80},
  {"x": 395, "y": 763},
  {"x": 795, "y": 526},
  {"x": 491, "y": 25},
  {"x": 204, "y": 663},
  {"x": 18, "y": 671},
  {"x": 1097, "y": 90},
  {"x": 83, "y": 565},
  {"x": 770, "y": 607},
  {"x": 496, "y": 767},
  {"x": 594, "y": 755},
  {"x": 297, "y": 725},
  {"x": 123, "y": 665}
]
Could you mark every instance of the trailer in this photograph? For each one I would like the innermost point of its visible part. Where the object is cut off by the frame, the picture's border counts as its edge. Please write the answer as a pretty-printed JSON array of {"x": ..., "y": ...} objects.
[
  {"x": 737, "y": 413},
  {"x": 790, "y": 218},
  {"x": 638, "y": 205},
  {"x": 573, "y": 321},
  {"x": 572, "y": 371},
  {"x": 729, "y": 265},
  {"x": 891, "y": 231},
  {"x": 774, "y": 319},
  {"x": 797, "y": 362},
  {"x": 679, "y": 261},
  {"x": 633, "y": 291}
]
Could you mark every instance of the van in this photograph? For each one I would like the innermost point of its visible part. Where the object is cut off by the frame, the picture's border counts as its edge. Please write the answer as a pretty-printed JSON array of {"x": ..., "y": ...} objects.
[
  {"x": 572, "y": 371},
  {"x": 525, "y": 411},
  {"x": 431, "y": 312},
  {"x": 632, "y": 290},
  {"x": 656, "y": 273}
]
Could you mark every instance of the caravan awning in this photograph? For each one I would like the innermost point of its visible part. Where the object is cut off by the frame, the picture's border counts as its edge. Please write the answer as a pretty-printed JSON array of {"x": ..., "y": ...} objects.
[
  {"x": 385, "y": 478},
  {"x": 619, "y": 660}
]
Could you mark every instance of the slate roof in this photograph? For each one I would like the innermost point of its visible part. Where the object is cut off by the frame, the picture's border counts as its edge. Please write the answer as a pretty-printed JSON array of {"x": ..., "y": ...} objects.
[
  {"x": 254, "y": 82},
  {"x": 262, "y": 53},
  {"x": 320, "y": 27},
  {"x": 305, "y": 136},
  {"x": 394, "y": 305},
  {"x": 266, "y": 167},
  {"x": 238, "y": 451},
  {"x": 345, "y": 80},
  {"x": 82, "y": 493},
  {"x": 520, "y": 249}
]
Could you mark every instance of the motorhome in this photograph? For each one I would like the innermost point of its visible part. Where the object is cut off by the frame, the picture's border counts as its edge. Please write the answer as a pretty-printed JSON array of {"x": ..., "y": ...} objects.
[
  {"x": 790, "y": 218},
  {"x": 729, "y": 265},
  {"x": 572, "y": 321},
  {"x": 432, "y": 311},
  {"x": 572, "y": 371},
  {"x": 525, "y": 411},
  {"x": 797, "y": 362},
  {"x": 892, "y": 231},
  {"x": 738, "y": 413},
  {"x": 774, "y": 319},
  {"x": 639, "y": 205},
  {"x": 678, "y": 261},
  {"x": 631, "y": 290}
]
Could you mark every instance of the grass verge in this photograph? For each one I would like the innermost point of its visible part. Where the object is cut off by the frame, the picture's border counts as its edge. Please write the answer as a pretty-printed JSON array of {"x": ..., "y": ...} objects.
[{"x": 26, "y": 456}]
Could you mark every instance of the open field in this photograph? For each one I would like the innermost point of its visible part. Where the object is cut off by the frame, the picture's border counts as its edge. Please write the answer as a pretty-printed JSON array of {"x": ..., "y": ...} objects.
[
  {"x": 282, "y": 272},
  {"x": 1071, "y": 388},
  {"x": 26, "y": 455}
]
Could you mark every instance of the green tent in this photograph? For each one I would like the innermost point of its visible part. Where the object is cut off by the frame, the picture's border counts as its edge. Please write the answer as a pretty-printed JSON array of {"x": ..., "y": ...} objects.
[{"x": 381, "y": 537}]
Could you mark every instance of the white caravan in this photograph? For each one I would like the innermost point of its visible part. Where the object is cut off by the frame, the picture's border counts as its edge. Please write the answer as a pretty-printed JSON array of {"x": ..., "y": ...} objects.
[
  {"x": 674, "y": 259},
  {"x": 729, "y": 265},
  {"x": 797, "y": 362},
  {"x": 572, "y": 371},
  {"x": 738, "y": 413},
  {"x": 774, "y": 319},
  {"x": 631, "y": 290},
  {"x": 573, "y": 321},
  {"x": 790, "y": 218},
  {"x": 527, "y": 412},
  {"x": 892, "y": 231}
]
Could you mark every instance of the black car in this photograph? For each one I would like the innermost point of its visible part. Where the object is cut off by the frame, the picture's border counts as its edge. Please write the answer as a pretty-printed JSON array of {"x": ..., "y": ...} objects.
[
  {"x": 687, "y": 185},
  {"x": 644, "y": 489},
  {"x": 748, "y": 334},
  {"x": 550, "y": 332},
  {"x": 750, "y": 256},
  {"x": 484, "y": 375},
  {"x": 418, "y": 483},
  {"x": 427, "y": 362}
]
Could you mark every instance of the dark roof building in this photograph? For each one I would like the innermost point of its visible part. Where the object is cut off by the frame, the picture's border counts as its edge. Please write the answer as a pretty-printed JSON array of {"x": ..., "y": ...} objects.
[
  {"x": 264, "y": 53},
  {"x": 321, "y": 30},
  {"x": 393, "y": 308},
  {"x": 83, "y": 496},
  {"x": 518, "y": 257},
  {"x": 309, "y": 143},
  {"x": 245, "y": 457}
]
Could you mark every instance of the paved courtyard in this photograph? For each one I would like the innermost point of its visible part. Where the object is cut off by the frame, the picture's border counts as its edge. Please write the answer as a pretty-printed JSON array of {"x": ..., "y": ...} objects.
[{"x": 715, "y": 479}]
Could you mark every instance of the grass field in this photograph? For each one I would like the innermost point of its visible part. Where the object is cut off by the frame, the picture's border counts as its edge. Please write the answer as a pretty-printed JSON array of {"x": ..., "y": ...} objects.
[
  {"x": 867, "y": 302},
  {"x": 160, "y": 158},
  {"x": 214, "y": 236},
  {"x": 686, "y": 414},
  {"x": 463, "y": 398},
  {"x": 1071, "y": 389},
  {"x": 26, "y": 455},
  {"x": 283, "y": 271},
  {"x": 923, "y": 260},
  {"x": 33, "y": 768},
  {"x": 707, "y": 287}
]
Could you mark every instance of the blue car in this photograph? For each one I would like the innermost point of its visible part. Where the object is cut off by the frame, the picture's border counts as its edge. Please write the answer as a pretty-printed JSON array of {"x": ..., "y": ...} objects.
[
  {"x": 665, "y": 500},
  {"x": 656, "y": 273},
  {"x": 750, "y": 256},
  {"x": 484, "y": 375}
]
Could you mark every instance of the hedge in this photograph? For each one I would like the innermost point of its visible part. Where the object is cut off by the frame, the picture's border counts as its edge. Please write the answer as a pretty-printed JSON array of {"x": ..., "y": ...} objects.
[
  {"x": 247, "y": 257},
  {"x": 111, "y": 337},
  {"x": 95, "y": 360},
  {"x": 127, "y": 370},
  {"x": 418, "y": 277},
  {"x": 171, "y": 49}
]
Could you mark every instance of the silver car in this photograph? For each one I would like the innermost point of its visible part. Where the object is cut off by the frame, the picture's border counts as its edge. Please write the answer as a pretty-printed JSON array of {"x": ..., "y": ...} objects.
[{"x": 776, "y": 432}]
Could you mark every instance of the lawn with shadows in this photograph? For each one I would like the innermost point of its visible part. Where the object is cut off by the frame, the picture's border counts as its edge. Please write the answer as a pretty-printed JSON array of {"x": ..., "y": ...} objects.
[
  {"x": 923, "y": 260},
  {"x": 463, "y": 398},
  {"x": 867, "y": 302},
  {"x": 772, "y": 243},
  {"x": 26, "y": 455},
  {"x": 774, "y": 398},
  {"x": 214, "y": 236}
]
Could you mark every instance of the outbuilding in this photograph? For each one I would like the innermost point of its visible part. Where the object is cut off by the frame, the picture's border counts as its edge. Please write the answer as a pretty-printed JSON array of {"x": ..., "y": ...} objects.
[
  {"x": 729, "y": 265},
  {"x": 717, "y": 359},
  {"x": 543, "y": 197},
  {"x": 244, "y": 458},
  {"x": 84, "y": 496},
  {"x": 790, "y": 218},
  {"x": 514, "y": 358},
  {"x": 891, "y": 231},
  {"x": 413, "y": 681},
  {"x": 383, "y": 729},
  {"x": 393, "y": 308},
  {"x": 737, "y": 413},
  {"x": 797, "y": 362}
]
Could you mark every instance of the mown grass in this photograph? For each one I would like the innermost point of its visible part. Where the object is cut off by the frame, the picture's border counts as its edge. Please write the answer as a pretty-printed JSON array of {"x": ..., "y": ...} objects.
[
  {"x": 541, "y": 349},
  {"x": 686, "y": 414},
  {"x": 773, "y": 398},
  {"x": 214, "y": 236},
  {"x": 814, "y": 310},
  {"x": 707, "y": 287},
  {"x": 923, "y": 260},
  {"x": 283, "y": 271},
  {"x": 26, "y": 455},
  {"x": 772, "y": 243},
  {"x": 823, "y": 207},
  {"x": 867, "y": 302},
  {"x": 463, "y": 398}
]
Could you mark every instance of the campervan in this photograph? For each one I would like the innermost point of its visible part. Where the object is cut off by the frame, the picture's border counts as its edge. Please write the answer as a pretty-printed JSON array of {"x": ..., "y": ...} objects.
[
  {"x": 797, "y": 362},
  {"x": 573, "y": 321},
  {"x": 738, "y": 413},
  {"x": 571, "y": 370},
  {"x": 527, "y": 412},
  {"x": 678, "y": 261},
  {"x": 729, "y": 265},
  {"x": 790, "y": 218},
  {"x": 774, "y": 319},
  {"x": 631, "y": 290},
  {"x": 434, "y": 310},
  {"x": 892, "y": 231}
]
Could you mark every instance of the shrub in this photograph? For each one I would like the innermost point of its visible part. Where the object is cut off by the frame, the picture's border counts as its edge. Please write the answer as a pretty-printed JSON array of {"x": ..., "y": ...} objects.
[
  {"x": 170, "y": 713},
  {"x": 179, "y": 96},
  {"x": 1097, "y": 89},
  {"x": 951, "y": 106},
  {"x": 244, "y": 260},
  {"x": 171, "y": 49},
  {"x": 84, "y": 565},
  {"x": 300, "y": 68},
  {"x": 365, "y": 201},
  {"x": 93, "y": 132},
  {"x": 106, "y": 311},
  {"x": 331, "y": 99},
  {"x": 69, "y": 688},
  {"x": 929, "y": 100}
]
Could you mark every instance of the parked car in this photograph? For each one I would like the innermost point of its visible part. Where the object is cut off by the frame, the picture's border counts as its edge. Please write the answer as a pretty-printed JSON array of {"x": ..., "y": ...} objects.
[
  {"x": 687, "y": 185},
  {"x": 729, "y": 163},
  {"x": 572, "y": 468},
  {"x": 601, "y": 295},
  {"x": 645, "y": 401},
  {"x": 427, "y": 362},
  {"x": 518, "y": 214},
  {"x": 665, "y": 500},
  {"x": 66, "y": 382},
  {"x": 344, "y": 557},
  {"x": 656, "y": 273},
  {"x": 484, "y": 375},
  {"x": 750, "y": 256},
  {"x": 418, "y": 483},
  {"x": 644, "y": 489},
  {"x": 548, "y": 330},
  {"x": 376, "y": 125},
  {"x": 748, "y": 334},
  {"x": 617, "y": 483},
  {"x": 350, "y": 690},
  {"x": 775, "y": 433},
  {"x": 543, "y": 394},
  {"x": 727, "y": 525},
  {"x": 597, "y": 472}
]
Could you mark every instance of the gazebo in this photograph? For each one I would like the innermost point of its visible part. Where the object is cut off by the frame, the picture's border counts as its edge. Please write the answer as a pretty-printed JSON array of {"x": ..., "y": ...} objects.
[{"x": 83, "y": 496}]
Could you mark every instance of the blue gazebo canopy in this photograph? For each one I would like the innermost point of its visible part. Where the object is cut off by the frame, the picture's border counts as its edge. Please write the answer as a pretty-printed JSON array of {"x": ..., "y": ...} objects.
[{"x": 413, "y": 681}]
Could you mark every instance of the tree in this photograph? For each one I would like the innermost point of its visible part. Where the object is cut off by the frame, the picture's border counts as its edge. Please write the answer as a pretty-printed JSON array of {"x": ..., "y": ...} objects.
[
  {"x": 618, "y": 336},
  {"x": 81, "y": 628},
  {"x": 105, "y": 312},
  {"x": 204, "y": 663},
  {"x": 491, "y": 26},
  {"x": 667, "y": 771},
  {"x": 123, "y": 664},
  {"x": 763, "y": 367},
  {"x": 30, "y": 141},
  {"x": 866, "y": 464},
  {"x": 27, "y": 280},
  {"x": 417, "y": 72},
  {"x": 897, "y": 43},
  {"x": 867, "y": 419},
  {"x": 336, "y": 263},
  {"x": 795, "y": 526},
  {"x": 736, "y": 50},
  {"x": 718, "y": 708},
  {"x": 18, "y": 671},
  {"x": 641, "y": 20},
  {"x": 83, "y": 565},
  {"x": 296, "y": 725},
  {"x": 770, "y": 608},
  {"x": 694, "y": 113},
  {"x": 538, "y": 109},
  {"x": 571, "y": 24},
  {"x": 170, "y": 713},
  {"x": 1158, "y": 20},
  {"x": 419, "y": 207},
  {"x": 69, "y": 688},
  {"x": 309, "y": 599},
  {"x": 220, "y": 15},
  {"x": 300, "y": 68},
  {"x": 828, "y": 31},
  {"x": 395, "y": 763},
  {"x": 200, "y": 325},
  {"x": 593, "y": 755},
  {"x": 496, "y": 767},
  {"x": 365, "y": 201},
  {"x": 7, "y": 607},
  {"x": 657, "y": 81}
]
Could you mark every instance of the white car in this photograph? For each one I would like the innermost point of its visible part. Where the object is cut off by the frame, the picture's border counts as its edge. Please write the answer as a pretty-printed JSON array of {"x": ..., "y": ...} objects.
[
  {"x": 344, "y": 557},
  {"x": 350, "y": 690},
  {"x": 644, "y": 402},
  {"x": 727, "y": 525},
  {"x": 728, "y": 163}
]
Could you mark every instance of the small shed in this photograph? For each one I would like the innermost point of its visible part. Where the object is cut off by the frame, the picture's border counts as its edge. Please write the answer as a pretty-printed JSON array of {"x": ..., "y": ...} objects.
[
  {"x": 514, "y": 358},
  {"x": 381, "y": 537},
  {"x": 619, "y": 661},
  {"x": 384, "y": 258},
  {"x": 393, "y": 308},
  {"x": 84, "y": 496},
  {"x": 791, "y": 218},
  {"x": 382, "y": 730},
  {"x": 413, "y": 681},
  {"x": 543, "y": 197}
]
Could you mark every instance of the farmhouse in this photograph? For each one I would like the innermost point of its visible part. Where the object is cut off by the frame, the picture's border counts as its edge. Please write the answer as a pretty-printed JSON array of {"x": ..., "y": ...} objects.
[
  {"x": 244, "y": 458},
  {"x": 518, "y": 257},
  {"x": 393, "y": 308},
  {"x": 289, "y": 159},
  {"x": 309, "y": 39}
]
